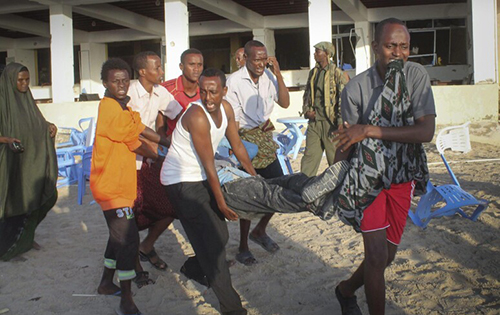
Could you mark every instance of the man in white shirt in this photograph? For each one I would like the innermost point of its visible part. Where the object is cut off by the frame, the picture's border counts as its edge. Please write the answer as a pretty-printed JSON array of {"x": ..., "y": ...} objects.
[
  {"x": 252, "y": 91},
  {"x": 152, "y": 208}
]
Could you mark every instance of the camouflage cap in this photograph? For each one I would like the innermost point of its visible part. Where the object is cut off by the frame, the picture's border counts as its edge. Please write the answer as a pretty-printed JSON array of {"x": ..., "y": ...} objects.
[{"x": 327, "y": 47}]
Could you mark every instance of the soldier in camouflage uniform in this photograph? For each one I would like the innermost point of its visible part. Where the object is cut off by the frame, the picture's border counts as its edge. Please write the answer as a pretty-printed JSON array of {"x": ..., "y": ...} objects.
[{"x": 322, "y": 108}]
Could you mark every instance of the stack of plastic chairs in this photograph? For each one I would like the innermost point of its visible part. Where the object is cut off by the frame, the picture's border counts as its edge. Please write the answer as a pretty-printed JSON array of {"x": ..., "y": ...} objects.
[
  {"x": 455, "y": 198},
  {"x": 67, "y": 169},
  {"x": 80, "y": 141},
  {"x": 76, "y": 137}
]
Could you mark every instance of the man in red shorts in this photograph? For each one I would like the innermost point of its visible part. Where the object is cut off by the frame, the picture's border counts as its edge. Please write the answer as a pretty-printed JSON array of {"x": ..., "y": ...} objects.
[{"x": 383, "y": 221}]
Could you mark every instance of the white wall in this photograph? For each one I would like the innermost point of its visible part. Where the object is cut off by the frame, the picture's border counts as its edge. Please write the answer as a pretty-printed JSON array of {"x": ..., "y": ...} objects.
[
  {"x": 68, "y": 114},
  {"x": 454, "y": 105},
  {"x": 461, "y": 103},
  {"x": 45, "y": 92}
]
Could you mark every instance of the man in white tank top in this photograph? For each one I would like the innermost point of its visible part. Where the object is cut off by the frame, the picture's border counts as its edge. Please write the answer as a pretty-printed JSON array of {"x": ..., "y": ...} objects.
[{"x": 193, "y": 187}]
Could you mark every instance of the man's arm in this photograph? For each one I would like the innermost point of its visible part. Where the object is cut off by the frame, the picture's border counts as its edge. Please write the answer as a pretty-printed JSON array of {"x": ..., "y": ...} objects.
[
  {"x": 421, "y": 132},
  {"x": 235, "y": 141},
  {"x": 196, "y": 123},
  {"x": 161, "y": 124},
  {"x": 283, "y": 95},
  {"x": 151, "y": 135},
  {"x": 146, "y": 151}
]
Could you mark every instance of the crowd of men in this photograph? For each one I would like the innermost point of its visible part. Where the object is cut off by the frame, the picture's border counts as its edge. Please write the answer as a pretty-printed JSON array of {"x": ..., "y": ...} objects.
[{"x": 139, "y": 189}]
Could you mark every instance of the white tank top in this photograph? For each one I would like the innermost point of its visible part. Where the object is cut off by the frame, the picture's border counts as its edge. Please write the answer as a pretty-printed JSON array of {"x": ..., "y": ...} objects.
[{"x": 182, "y": 163}]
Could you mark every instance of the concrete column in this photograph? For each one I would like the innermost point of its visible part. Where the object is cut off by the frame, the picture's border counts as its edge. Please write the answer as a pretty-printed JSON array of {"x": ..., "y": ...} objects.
[
  {"x": 320, "y": 24},
  {"x": 363, "y": 46},
  {"x": 234, "y": 45},
  {"x": 92, "y": 57},
  {"x": 484, "y": 25},
  {"x": 176, "y": 35},
  {"x": 266, "y": 36},
  {"x": 61, "y": 53},
  {"x": 25, "y": 57}
]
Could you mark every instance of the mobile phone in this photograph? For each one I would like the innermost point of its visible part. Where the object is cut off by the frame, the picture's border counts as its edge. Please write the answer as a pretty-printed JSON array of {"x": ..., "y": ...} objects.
[{"x": 18, "y": 147}]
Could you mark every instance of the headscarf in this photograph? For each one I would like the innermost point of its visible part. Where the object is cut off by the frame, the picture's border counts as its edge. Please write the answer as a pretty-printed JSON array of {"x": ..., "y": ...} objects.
[
  {"x": 28, "y": 179},
  {"x": 327, "y": 47}
]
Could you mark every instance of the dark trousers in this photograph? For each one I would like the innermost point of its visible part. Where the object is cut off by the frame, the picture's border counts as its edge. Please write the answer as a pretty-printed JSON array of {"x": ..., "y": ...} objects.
[
  {"x": 273, "y": 170},
  {"x": 207, "y": 232},
  {"x": 256, "y": 194},
  {"x": 123, "y": 242},
  {"x": 319, "y": 138}
]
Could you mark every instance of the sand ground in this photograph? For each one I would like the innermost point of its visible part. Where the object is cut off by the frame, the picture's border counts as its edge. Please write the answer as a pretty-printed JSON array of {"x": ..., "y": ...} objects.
[{"x": 452, "y": 267}]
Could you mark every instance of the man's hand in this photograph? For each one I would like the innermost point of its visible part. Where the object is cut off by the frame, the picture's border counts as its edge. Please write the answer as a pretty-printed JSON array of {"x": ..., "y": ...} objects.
[
  {"x": 348, "y": 135},
  {"x": 274, "y": 66},
  {"x": 311, "y": 115},
  {"x": 228, "y": 213},
  {"x": 52, "y": 130}
]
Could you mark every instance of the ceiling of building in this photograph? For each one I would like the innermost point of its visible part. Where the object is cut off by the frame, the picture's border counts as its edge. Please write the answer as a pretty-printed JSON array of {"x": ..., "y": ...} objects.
[{"x": 155, "y": 9}]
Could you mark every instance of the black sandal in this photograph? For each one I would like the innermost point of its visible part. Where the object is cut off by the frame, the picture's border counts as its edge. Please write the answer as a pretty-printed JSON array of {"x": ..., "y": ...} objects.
[
  {"x": 142, "y": 279},
  {"x": 159, "y": 264}
]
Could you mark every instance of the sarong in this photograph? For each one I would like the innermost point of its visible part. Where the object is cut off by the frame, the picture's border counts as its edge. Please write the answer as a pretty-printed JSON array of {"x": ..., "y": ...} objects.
[{"x": 152, "y": 204}]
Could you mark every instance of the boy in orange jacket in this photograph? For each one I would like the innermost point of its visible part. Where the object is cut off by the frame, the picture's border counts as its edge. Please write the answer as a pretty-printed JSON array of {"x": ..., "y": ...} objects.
[{"x": 113, "y": 179}]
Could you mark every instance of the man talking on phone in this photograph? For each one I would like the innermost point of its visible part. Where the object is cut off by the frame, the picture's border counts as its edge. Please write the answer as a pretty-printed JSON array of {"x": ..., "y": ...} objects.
[{"x": 252, "y": 92}]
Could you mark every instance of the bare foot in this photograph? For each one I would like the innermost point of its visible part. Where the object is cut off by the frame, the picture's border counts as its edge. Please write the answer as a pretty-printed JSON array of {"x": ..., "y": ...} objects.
[
  {"x": 127, "y": 306},
  {"x": 36, "y": 246},
  {"x": 109, "y": 289}
]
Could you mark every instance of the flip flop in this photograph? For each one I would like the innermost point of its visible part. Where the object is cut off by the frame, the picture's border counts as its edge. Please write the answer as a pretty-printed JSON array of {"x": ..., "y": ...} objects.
[
  {"x": 266, "y": 242},
  {"x": 246, "y": 258},
  {"x": 159, "y": 264},
  {"x": 118, "y": 311},
  {"x": 142, "y": 279},
  {"x": 117, "y": 293}
]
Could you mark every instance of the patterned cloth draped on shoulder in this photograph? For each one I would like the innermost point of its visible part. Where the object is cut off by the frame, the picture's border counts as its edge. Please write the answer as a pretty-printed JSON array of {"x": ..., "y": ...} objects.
[{"x": 376, "y": 164}]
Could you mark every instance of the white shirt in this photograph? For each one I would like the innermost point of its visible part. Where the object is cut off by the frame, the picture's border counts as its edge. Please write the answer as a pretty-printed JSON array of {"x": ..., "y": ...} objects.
[
  {"x": 182, "y": 163},
  {"x": 252, "y": 102},
  {"x": 148, "y": 106}
]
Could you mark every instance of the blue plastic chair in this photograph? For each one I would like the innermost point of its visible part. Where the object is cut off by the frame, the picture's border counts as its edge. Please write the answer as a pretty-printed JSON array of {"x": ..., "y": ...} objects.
[
  {"x": 67, "y": 166},
  {"x": 294, "y": 132},
  {"x": 67, "y": 169},
  {"x": 282, "y": 153},
  {"x": 454, "y": 197},
  {"x": 77, "y": 137},
  {"x": 84, "y": 173}
]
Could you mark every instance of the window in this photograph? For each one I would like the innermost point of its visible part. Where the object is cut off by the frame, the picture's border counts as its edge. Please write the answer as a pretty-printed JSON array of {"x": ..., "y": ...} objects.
[
  {"x": 344, "y": 39},
  {"x": 292, "y": 48},
  {"x": 438, "y": 42},
  {"x": 216, "y": 51}
]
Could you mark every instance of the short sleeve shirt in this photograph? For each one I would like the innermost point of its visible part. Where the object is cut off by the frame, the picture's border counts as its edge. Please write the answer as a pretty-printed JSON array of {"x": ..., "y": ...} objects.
[
  {"x": 361, "y": 93},
  {"x": 148, "y": 106},
  {"x": 176, "y": 87},
  {"x": 252, "y": 102}
]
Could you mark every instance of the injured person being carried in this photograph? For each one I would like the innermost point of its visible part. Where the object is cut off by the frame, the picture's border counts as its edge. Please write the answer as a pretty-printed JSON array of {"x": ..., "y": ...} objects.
[{"x": 253, "y": 196}]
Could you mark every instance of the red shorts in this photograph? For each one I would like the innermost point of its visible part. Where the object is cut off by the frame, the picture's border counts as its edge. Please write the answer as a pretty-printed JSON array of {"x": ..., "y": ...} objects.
[{"x": 389, "y": 211}]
